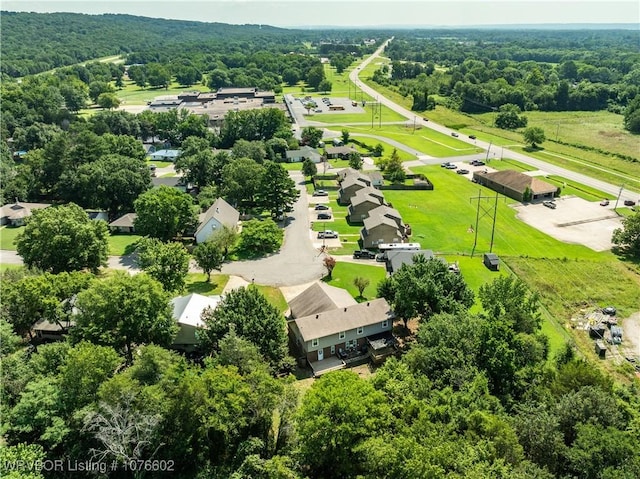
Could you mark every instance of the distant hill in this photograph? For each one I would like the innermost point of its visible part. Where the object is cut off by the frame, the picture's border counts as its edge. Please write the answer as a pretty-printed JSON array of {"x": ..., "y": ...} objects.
[{"x": 36, "y": 42}]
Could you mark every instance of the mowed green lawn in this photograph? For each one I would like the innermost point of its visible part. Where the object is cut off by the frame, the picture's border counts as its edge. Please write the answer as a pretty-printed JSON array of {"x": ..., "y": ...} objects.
[
  {"x": 423, "y": 140},
  {"x": 444, "y": 220},
  {"x": 7, "y": 237},
  {"x": 387, "y": 148},
  {"x": 122, "y": 244},
  {"x": 344, "y": 274}
]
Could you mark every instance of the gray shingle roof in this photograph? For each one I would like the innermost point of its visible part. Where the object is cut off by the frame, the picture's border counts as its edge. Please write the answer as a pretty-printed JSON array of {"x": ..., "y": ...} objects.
[
  {"x": 223, "y": 212},
  {"x": 344, "y": 319},
  {"x": 125, "y": 221},
  {"x": 317, "y": 298}
]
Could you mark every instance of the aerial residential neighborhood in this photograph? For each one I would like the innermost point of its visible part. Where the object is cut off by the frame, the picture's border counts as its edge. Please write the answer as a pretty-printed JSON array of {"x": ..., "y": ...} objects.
[{"x": 235, "y": 248}]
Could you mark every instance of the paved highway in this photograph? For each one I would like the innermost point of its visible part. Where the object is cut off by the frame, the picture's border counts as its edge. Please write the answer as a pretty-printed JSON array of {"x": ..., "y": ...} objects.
[{"x": 491, "y": 151}]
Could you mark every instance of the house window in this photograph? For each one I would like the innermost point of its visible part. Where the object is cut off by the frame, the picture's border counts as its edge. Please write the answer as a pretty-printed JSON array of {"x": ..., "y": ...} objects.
[
  {"x": 341, "y": 335},
  {"x": 385, "y": 324},
  {"x": 333, "y": 350},
  {"x": 314, "y": 343},
  {"x": 360, "y": 330}
]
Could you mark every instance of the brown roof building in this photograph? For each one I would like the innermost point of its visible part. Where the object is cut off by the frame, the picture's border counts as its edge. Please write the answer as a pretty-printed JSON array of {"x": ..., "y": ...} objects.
[{"x": 516, "y": 185}]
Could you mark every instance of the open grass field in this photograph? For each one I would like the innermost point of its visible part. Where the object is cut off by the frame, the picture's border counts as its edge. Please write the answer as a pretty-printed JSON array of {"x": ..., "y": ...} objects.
[
  {"x": 131, "y": 94},
  {"x": 121, "y": 244},
  {"x": 423, "y": 140},
  {"x": 388, "y": 149},
  {"x": 602, "y": 130},
  {"x": 599, "y": 129},
  {"x": 581, "y": 191},
  {"x": 509, "y": 164},
  {"x": 8, "y": 236},
  {"x": 443, "y": 219},
  {"x": 568, "y": 286},
  {"x": 344, "y": 274}
]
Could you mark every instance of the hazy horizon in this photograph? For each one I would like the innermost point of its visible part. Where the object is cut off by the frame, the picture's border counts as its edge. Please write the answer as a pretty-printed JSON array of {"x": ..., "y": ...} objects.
[{"x": 358, "y": 13}]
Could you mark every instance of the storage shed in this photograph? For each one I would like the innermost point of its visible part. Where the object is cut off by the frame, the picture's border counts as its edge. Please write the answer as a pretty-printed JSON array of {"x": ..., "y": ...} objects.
[
  {"x": 601, "y": 349},
  {"x": 492, "y": 261}
]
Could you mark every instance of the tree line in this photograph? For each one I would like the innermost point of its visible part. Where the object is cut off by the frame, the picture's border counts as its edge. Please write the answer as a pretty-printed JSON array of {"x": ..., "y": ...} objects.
[
  {"x": 479, "y": 71},
  {"x": 476, "y": 395}
]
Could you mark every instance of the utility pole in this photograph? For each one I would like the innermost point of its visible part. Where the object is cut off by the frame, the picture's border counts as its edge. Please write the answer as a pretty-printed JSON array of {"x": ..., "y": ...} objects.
[
  {"x": 488, "y": 150},
  {"x": 373, "y": 109},
  {"x": 493, "y": 226},
  {"x": 615, "y": 208},
  {"x": 491, "y": 211}
]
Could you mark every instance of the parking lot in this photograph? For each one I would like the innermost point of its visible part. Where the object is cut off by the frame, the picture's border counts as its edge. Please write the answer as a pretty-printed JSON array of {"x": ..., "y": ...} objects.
[
  {"x": 574, "y": 220},
  {"x": 336, "y": 102}
]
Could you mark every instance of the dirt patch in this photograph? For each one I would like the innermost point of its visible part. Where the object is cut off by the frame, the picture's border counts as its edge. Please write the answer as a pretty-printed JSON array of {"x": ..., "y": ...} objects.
[
  {"x": 631, "y": 338},
  {"x": 610, "y": 134}
]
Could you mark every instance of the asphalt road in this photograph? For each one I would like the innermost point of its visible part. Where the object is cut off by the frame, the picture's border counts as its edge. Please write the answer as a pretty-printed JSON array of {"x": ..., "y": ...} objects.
[
  {"x": 491, "y": 151},
  {"x": 297, "y": 261}
]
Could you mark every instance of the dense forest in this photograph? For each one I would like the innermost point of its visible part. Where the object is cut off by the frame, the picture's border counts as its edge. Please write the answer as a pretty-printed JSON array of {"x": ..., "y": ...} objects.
[
  {"x": 482, "y": 70},
  {"x": 33, "y": 43},
  {"x": 476, "y": 396}
]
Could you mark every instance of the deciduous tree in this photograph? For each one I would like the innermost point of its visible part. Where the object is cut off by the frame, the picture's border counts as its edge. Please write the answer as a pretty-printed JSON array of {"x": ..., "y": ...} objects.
[
  {"x": 209, "y": 256},
  {"x": 534, "y": 135},
  {"x": 329, "y": 262},
  {"x": 260, "y": 237},
  {"x": 509, "y": 118},
  {"x": 309, "y": 168},
  {"x": 164, "y": 213},
  {"x": 361, "y": 283},
  {"x": 241, "y": 181},
  {"x": 355, "y": 160},
  {"x": 125, "y": 310},
  {"x": 311, "y": 136},
  {"x": 63, "y": 238},
  {"x": 113, "y": 183},
  {"x": 424, "y": 288},
  {"x": 627, "y": 238},
  {"x": 253, "y": 318},
  {"x": 337, "y": 415},
  {"x": 167, "y": 263}
]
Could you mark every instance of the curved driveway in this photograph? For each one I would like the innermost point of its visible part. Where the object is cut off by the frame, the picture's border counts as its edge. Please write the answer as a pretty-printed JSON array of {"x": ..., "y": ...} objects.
[{"x": 491, "y": 151}]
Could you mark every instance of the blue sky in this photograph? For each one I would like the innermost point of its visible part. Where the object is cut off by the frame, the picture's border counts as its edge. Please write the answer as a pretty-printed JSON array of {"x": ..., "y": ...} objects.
[{"x": 356, "y": 12}]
